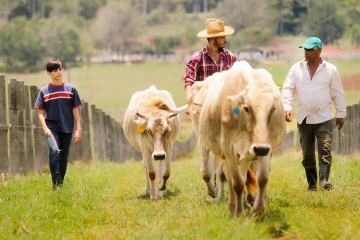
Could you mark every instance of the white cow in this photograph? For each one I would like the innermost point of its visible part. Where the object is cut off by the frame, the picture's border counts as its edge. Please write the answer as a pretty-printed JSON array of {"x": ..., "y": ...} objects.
[
  {"x": 211, "y": 163},
  {"x": 151, "y": 125},
  {"x": 241, "y": 119}
]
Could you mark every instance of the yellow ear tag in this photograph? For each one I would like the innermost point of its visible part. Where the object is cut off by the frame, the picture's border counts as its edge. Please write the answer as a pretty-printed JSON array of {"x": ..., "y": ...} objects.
[{"x": 141, "y": 129}]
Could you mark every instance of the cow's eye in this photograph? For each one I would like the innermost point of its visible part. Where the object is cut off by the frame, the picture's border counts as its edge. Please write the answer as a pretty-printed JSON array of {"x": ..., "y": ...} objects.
[
  {"x": 148, "y": 132},
  {"x": 246, "y": 109},
  {"x": 166, "y": 131}
]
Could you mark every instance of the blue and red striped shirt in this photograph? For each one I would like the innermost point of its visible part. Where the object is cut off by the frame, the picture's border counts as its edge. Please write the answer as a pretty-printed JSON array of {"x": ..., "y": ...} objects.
[
  {"x": 201, "y": 65},
  {"x": 58, "y": 102}
]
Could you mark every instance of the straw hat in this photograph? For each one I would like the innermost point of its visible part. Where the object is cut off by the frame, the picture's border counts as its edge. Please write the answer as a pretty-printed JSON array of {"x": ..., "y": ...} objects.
[{"x": 215, "y": 28}]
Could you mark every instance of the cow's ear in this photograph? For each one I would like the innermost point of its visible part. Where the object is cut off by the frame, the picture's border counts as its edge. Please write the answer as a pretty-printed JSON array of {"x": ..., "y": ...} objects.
[
  {"x": 141, "y": 125},
  {"x": 236, "y": 100}
]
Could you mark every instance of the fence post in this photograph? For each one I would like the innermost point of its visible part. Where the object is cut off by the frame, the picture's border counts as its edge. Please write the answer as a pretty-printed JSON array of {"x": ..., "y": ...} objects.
[
  {"x": 29, "y": 131},
  {"x": 41, "y": 148},
  {"x": 86, "y": 133},
  {"x": 17, "y": 129},
  {"x": 4, "y": 149}
]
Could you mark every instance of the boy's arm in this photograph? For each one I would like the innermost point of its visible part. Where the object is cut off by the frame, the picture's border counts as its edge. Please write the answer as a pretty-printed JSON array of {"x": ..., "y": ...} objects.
[
  {"x": 41, "y": 116},
  {"x": 77, "y": 135}
]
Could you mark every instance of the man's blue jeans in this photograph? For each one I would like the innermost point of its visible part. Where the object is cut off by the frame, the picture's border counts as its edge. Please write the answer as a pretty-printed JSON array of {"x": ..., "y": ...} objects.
[{"x": 58, "y": 160}]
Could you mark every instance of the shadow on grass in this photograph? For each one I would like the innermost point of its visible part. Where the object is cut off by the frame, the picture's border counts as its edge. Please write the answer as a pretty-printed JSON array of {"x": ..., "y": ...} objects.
[
  {"x": 276, "y": 220},
  {"x": 167, "y": 194}
]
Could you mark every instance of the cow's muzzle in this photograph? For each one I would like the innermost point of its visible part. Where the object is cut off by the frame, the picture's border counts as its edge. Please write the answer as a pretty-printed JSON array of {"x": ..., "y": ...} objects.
[
  {"x": 260, "y": 149},
  {"x": 159, "y": 155}
]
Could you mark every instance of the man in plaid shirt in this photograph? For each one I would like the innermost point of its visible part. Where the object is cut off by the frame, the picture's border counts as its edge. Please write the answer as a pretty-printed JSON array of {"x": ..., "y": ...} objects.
[{"x": 213, "y": 58}]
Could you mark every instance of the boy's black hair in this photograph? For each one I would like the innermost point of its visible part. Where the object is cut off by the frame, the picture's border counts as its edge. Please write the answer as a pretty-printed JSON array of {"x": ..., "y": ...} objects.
[{"x": 53, "y": 64}]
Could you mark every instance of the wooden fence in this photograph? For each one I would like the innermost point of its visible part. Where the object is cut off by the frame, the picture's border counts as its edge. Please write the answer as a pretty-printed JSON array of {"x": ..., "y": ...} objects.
[
  {"x": 344, "y": 142},
  {"x": 23, "y": 147}
]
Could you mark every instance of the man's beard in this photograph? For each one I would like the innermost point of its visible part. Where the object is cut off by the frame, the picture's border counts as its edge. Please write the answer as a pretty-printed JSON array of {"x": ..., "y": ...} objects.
[{"x": 218, "y": 45}]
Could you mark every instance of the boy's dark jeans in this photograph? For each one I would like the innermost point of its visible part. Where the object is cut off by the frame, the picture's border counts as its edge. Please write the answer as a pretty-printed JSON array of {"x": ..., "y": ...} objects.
[
  {"x": 58, "y": 160},
  {"x": 322, "y": 132}
]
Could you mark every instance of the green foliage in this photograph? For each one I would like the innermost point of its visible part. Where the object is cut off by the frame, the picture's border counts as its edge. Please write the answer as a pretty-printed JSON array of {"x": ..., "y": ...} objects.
[
  {"x": 355, "y": 34},
  {"x": 61, "y": 40},
  {"x": 19, "y": 44},
  {"x": 107, "y": 200},
  {"x": 26, "y": 44},
  {"x": 324, "y": 22},
  {"x": 252, "y": 36},
  {"x": 165, "y": 45}
]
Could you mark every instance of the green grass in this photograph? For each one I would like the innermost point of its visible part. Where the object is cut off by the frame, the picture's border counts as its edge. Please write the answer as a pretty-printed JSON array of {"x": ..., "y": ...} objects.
[{"x": 106, "y": 201}]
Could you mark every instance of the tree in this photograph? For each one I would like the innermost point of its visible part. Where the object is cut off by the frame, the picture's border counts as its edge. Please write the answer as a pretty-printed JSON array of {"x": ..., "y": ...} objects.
[
  {"x": 253, "y": 18},
  {"x": 60, "y": 38},
  {"x": 19, "y": 44},
  {"x": 324, "y": 22},
  {"x": 241, "y": 14},
  {"x": 116, "y": 26}
]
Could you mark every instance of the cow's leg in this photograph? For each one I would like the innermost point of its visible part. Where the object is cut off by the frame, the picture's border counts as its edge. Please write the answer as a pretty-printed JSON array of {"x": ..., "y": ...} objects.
[
  {"x": 238, "y": 181},
  {"x": 207, "y": 169},
  {"x": 147, "y": 187},
  {"x": 232, "y": 195},
  {"x": 262, "y": 177},
  {"x": 150, "y": 175},
  {"x": 164, "y": 169},
  {"x": 221, "y": 179}
]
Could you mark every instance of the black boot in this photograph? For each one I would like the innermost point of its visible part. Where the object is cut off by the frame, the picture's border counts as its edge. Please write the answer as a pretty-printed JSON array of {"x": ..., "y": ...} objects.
[
  {"x": 56, "y": 180},
  {"x": 311, "y": 176},
  {"x": 324, "y": 177}
]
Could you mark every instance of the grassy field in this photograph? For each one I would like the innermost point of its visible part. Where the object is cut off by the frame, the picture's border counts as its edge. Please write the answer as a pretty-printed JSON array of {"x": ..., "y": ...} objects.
[
  {"x": 110, "y": 86},
  {"x": 106, "y": 201}
]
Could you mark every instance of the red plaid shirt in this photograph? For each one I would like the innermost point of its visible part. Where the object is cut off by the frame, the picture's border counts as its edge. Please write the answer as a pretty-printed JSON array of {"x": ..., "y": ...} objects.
[{"x": 201, "y": 65}]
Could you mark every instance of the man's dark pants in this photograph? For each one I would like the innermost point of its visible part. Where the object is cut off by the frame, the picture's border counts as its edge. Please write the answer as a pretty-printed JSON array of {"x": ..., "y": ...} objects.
[{"x": 310, "y": 134}]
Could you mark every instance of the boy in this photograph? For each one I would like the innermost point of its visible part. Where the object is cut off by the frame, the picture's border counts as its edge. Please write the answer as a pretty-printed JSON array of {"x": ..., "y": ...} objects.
[{"x": 57, "y": 105}]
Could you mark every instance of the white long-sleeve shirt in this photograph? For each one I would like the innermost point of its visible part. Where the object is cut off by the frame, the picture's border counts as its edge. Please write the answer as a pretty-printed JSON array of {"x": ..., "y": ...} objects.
[{"x": 314, "y": 96}]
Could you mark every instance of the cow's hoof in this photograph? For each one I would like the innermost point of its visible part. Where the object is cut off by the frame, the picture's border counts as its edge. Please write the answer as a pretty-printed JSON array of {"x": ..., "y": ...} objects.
[{"x": 211, "y": 199}]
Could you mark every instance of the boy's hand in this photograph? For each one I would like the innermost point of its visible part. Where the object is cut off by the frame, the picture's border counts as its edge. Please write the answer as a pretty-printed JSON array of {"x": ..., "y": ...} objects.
[
  {"x": 47, "y": 132},
  {"x": 77, "y": 136}
]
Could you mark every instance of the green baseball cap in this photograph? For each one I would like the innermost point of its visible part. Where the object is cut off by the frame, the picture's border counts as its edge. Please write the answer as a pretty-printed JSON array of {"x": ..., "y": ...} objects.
[{"x": 312, "y": 42}]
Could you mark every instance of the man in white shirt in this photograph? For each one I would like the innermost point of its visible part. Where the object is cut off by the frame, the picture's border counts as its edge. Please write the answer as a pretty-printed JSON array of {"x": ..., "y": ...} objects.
[{"x": 315, "y": 83}]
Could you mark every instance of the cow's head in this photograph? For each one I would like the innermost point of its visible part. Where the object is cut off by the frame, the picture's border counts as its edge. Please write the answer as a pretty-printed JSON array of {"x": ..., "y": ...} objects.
[
  {"x": 255, "y": 106},
  {"x": 155, "y": 132}
]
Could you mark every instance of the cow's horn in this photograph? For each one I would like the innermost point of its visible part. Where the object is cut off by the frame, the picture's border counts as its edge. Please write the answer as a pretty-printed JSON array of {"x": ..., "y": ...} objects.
[
  {"x": 142, "y": 116},
  {"x": 180, "y": 109}
]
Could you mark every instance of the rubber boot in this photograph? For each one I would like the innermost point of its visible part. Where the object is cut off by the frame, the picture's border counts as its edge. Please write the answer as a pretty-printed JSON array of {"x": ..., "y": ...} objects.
[
  {"x": 56, "y": 180},
  {"x": 311, "y": 176},
  {"x": 324, "y": 177}
]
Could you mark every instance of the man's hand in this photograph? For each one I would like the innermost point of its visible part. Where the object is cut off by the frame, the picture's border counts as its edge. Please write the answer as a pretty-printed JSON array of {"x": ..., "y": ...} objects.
[
  {"x": 288, "y": 116},
  {"x": 339, "y": 123}
]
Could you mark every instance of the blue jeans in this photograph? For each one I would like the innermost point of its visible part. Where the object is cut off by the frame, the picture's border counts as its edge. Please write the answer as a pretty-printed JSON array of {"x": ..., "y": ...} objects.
[{"x": 58, "y": 160}]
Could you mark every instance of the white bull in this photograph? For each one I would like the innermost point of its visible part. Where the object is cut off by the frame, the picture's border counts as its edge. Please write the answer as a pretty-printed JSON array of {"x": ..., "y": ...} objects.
[
  {"x": 242, "y": 120},
  {"x": 151, "y": 125}
]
